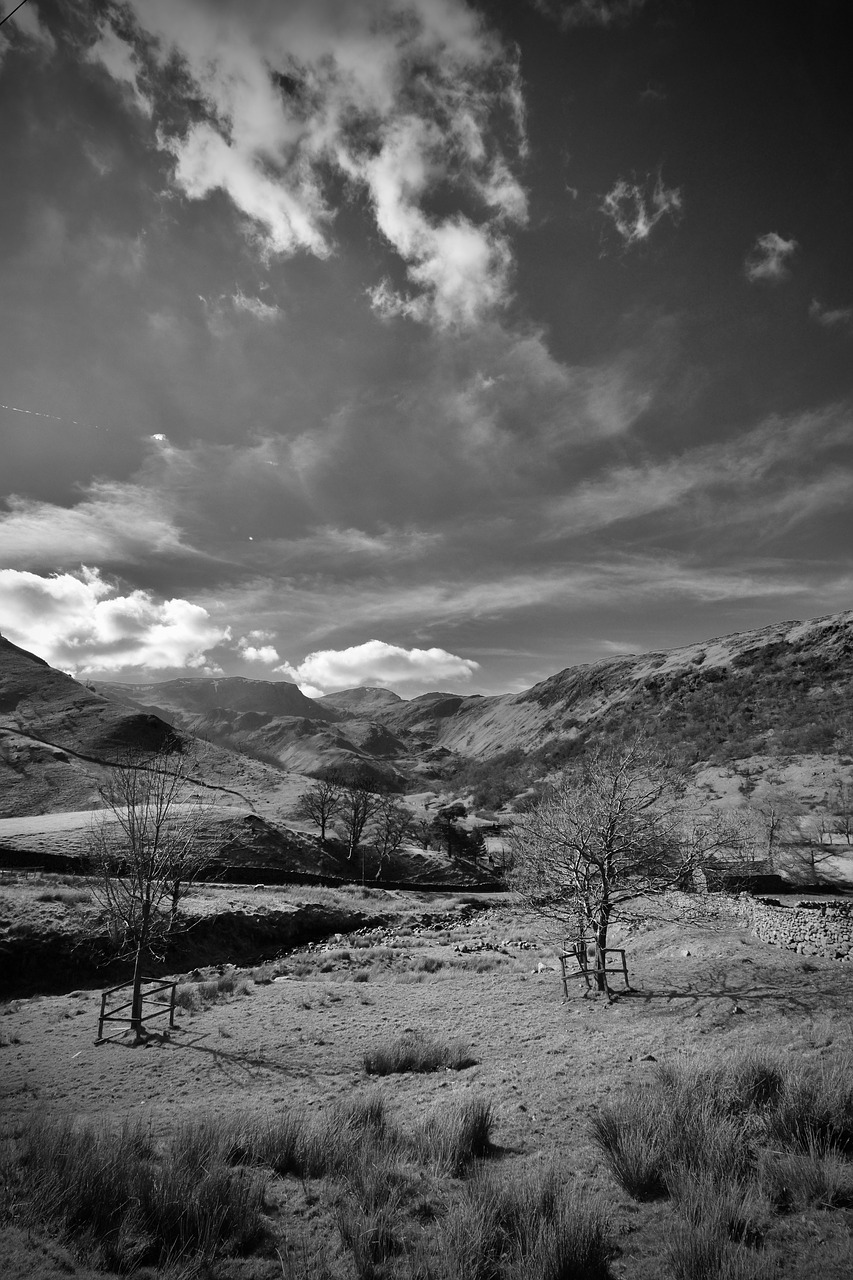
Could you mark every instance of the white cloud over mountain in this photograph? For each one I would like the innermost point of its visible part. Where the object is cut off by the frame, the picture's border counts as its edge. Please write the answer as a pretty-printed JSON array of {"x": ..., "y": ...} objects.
[
  {"x": 81, "y": 623},
  {"x": 376, "y": 663}
]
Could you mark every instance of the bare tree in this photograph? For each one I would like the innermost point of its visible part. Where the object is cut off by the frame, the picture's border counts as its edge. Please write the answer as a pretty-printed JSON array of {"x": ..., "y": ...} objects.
[
  {"x": 145, "y": 853},
  {"x": 320, "y": 803},
  {"x": 359, "y": 801},
  {"x": 843, "y": 806},
  {"x": 393, "y": 825},
  {"x": 777, "y": 810},
  {"x": 608, "y": 832}
]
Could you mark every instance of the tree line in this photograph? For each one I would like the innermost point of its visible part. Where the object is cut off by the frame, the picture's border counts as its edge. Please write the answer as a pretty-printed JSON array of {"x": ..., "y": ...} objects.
[{"x": 367, "y": 817}]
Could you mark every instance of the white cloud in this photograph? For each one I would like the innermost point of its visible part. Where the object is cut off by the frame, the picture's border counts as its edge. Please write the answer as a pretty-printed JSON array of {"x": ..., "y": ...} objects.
[
  {"x": 80, "y": 623},
  {"x": 831, "y": 317},
  {"x": 378, "y": 663},
  {"x": 119, "y": 59},
  {"x": 263, "y": 311},
  {"x": 251, "y": 648},
  {"x": 114, "y": 523},
  {"x": 769, "y": 258},
  {"x": 635, "y": 210},
  {"x": 399, "y": 97}
]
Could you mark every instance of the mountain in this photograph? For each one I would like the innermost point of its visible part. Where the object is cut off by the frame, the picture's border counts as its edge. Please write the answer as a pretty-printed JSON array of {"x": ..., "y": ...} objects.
[
  {"x": 57, "y": 736},
  {"x": 786, "y": 687},
  {"x": 364, "y": 701},
  {"x": 197, "y": 696},
  {"x": 273, "y": 721},
  {"x": 776, "y": 691}
]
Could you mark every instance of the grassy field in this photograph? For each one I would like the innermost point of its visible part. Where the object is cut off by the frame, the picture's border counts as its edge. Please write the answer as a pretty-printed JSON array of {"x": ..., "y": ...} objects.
[{"x": 418, "y": 1100}]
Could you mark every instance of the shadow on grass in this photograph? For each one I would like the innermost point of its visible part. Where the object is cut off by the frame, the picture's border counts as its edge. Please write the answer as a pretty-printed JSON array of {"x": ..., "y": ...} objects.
[{"x": 251, "y": 1064}]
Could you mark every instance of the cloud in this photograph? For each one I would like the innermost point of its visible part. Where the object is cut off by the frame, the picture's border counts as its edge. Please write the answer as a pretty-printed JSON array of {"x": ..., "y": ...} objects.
[
  {"x": 264, "y": 311},
  {"x": 635, "y": 210},
  {"x": 251, "y": 650},
  {"x": 114, "y": 524},
  {"x": 831, "y": 317},
  {"x": 80, "y": 623},
  {"x": 402, "y": 99},
  {"x": 770, "y": 478},
  {"x": 589, "y": 13},
  {"x": 120, "y": 61},
  {"x": 378, "y": 663},
  {"x": 24, "y": 31},
  {"x": 769, "y": 258}
]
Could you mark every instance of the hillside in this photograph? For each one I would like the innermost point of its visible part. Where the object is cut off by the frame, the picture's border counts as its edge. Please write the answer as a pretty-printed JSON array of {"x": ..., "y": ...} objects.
[
  {"x": 273, "y": 721},
  {"x": 768, "y": 693},
  {"x": 364, "y": 701},
  {"x": 56, "y": 735},
  {"x": 787, "y": 687},
  {"x": 198, "y": 696}
]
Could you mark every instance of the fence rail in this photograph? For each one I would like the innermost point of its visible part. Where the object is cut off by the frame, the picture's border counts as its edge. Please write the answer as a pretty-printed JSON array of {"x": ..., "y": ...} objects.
[
  {"x": 154, "y": 986},
  {"x": 590, "y": 961}
]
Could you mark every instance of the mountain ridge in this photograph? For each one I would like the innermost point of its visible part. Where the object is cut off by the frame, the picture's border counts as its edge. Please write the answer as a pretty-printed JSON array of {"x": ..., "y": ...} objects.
[{"x": 777, "y": 689}]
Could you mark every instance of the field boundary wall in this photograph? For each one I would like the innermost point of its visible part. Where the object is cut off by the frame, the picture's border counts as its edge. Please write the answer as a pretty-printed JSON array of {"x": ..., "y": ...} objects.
[{"x": 809, "y": 928}]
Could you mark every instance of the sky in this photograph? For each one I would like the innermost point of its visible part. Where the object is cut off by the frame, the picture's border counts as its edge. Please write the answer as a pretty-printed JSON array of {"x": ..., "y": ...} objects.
[{"x": 420, "y": 343}]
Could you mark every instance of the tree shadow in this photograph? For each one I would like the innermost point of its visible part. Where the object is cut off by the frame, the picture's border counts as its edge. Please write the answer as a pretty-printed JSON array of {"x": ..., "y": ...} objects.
[{"x": 233, "y": 1064}]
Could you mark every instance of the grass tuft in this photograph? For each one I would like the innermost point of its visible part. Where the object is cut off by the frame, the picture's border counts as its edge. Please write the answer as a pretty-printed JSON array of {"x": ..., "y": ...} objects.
[
  {"x": 416, "y": 1051},
  {"x": 525, "y": 1229},
  {"x": 111, "y": 1191},
  {"x": 455, "y": 1136}
]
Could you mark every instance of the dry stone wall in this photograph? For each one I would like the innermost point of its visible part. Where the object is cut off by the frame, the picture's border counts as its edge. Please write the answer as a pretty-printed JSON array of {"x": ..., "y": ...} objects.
[{"x": 810, "y": 929}]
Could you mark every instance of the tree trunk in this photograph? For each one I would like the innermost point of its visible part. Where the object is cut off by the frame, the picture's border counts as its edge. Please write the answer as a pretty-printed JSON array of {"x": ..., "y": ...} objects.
[
  {"x": 601, "y": 953},
  {"x": 173, "y": 911},
  {"x": 136, "y": 991}
]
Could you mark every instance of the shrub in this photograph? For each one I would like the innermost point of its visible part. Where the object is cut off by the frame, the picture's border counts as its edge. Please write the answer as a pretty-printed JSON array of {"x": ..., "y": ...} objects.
[
  {"x": 455, "y": 1136},
  {"x": 415, "y": 1051}
]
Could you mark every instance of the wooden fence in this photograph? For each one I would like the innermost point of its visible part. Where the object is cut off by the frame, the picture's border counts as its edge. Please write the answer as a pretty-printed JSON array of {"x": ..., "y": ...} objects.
[
  {"x": 153, "y": 986},
  {"x": 584, "y": 959}
]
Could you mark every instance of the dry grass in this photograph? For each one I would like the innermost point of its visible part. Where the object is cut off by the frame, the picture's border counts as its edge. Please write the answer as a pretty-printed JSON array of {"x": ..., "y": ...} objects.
[
  {"x": 732, "y": 1146},
  {"x": 383, "y": 1184},
  {"x": 128, "y": 1199},
  {"x": 417, "y": 1051}
]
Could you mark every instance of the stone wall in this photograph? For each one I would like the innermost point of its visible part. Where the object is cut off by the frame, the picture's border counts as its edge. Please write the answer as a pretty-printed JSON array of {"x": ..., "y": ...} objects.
[{"x": 810, "y": 929}]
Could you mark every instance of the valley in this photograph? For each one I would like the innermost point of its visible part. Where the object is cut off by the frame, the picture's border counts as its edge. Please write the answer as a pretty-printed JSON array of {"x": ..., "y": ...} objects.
[{"x": 302, "y": 959}]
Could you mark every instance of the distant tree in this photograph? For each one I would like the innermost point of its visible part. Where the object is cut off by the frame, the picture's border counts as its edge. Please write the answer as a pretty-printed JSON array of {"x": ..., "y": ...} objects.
[
  {"x": 319, "y": 804},
  {"x": 393, "y": 824},
  {"x": 476, "y": 845},
  {"x": 360, "y": 800},
  {"x": 608, "y": 832},
  {"x": 422, "y": 829},
  {"x": 842, "y": 805},
  {"x": 145, "y": 853},
  {"x": 777, "y": 811},
  {"x": 444, "y": 829}
]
